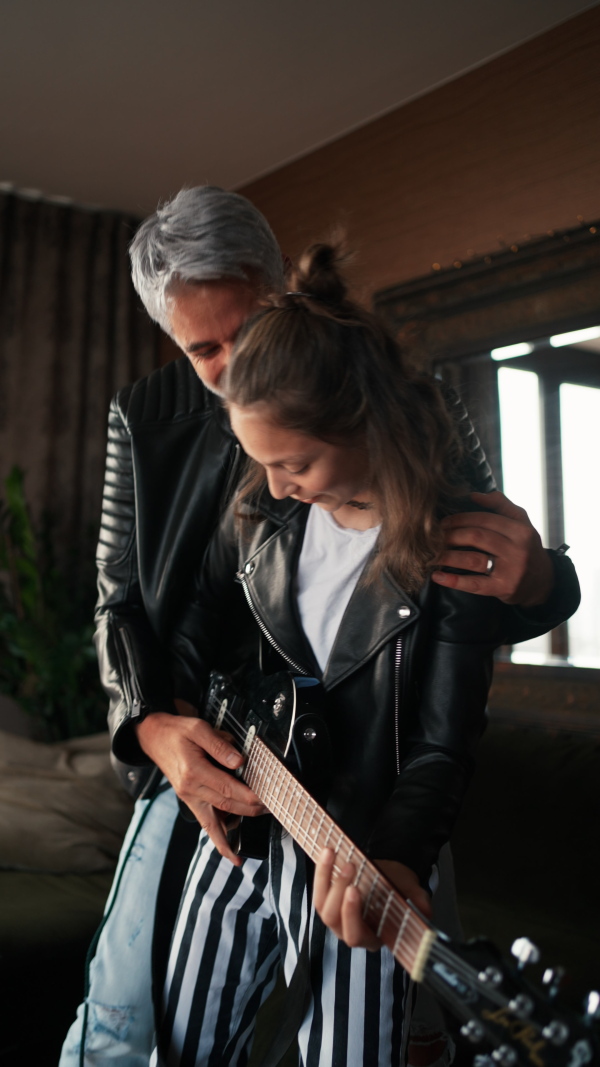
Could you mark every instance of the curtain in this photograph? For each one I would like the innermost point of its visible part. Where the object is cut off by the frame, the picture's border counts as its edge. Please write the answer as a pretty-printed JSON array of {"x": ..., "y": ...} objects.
[{"x": 72, "y": 332}]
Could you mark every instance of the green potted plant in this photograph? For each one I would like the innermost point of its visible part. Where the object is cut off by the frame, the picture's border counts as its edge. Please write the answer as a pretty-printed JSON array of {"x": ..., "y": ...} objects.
[{"x": 47, "y": 658}]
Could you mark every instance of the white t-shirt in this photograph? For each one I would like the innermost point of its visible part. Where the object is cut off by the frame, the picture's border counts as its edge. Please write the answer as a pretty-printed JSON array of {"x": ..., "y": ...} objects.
[{"x": 331, "y": 562}]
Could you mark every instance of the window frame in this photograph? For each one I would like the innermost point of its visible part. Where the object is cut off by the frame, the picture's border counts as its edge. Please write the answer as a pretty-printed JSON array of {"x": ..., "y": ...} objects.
[{"x": 449, "y": 321}]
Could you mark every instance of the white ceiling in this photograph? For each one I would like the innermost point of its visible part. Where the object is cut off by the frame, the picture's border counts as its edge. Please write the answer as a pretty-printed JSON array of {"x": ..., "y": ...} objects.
[{"x": 120, "y": 102}]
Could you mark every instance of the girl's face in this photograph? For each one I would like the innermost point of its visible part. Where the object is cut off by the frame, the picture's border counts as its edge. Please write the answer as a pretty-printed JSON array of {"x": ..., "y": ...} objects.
[{"x": 306, "y": 468}]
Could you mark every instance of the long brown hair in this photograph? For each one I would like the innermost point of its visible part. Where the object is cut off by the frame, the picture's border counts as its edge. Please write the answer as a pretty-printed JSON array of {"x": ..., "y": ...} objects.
[{"x": 327, "y": 368}]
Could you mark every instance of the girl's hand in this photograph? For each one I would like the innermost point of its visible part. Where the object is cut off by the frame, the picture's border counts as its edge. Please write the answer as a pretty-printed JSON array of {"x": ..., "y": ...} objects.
[{"x": 339, "y": 903}]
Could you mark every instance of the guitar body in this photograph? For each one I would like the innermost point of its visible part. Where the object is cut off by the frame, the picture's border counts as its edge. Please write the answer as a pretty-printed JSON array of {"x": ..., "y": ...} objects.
[{"x": 287, "y": 715}]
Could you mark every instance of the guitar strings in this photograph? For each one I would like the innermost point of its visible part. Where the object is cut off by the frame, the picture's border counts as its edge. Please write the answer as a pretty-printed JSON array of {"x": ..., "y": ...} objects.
[
  {"x": 261, "y": 758},
  {"x": 379, "y": 895},
  {"x": 381, "y": 899}
]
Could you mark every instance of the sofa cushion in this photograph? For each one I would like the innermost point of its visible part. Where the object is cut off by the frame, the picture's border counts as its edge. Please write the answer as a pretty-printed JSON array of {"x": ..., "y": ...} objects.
[{"x": 61, "y": 807}]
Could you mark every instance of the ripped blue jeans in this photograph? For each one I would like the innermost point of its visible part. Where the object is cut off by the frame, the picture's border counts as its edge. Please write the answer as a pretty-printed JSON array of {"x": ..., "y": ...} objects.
[{"x": 119, "y": 1020}]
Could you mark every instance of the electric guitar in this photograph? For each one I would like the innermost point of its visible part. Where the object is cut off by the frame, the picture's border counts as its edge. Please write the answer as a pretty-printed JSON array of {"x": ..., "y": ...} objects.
[{"x": 497, "y": 1006}]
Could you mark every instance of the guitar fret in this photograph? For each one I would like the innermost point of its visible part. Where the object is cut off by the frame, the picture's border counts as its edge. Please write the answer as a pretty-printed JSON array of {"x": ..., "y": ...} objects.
[
  {"x": 271, "y": 771},
  {"x": 279, "y": 779},
  {"x": 384, "y": 914},
  {"x": 370, "y": 894},
  {"x": 304, "y": 813},
  {"x": 400, "y": 933},
  {"x": 307, "y": 831},
  {"x": 360, "y": 871},
  {"x": 299, "y": 792},
  {"x": 269, "y": 777},
  {"x": 286, "y": 782},
  {"x": 250, "y": 771},
  {"x": 318, "y": 833},
  {"x": 329, "y": 833}
]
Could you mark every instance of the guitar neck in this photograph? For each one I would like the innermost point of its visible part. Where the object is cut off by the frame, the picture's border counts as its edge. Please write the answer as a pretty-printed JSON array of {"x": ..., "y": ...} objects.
[{"x": 405, "y": 933}]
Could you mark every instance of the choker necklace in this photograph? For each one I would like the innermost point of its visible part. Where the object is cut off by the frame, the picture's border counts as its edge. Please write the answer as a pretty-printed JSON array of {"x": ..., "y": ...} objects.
[{"x": 362, "y": 505}]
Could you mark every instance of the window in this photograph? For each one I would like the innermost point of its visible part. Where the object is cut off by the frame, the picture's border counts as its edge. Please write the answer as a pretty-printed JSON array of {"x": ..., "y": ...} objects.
[
  {"x": 549, "y": 429},
  {"x": 522, "y": 297}
]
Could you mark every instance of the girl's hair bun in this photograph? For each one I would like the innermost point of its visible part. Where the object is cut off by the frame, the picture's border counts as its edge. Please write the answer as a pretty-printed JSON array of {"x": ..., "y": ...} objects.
[{"x": 319, "y": 275}]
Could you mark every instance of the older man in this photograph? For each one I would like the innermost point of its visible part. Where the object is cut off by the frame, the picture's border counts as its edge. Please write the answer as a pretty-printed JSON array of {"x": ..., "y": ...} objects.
[{"x": 201, "y": 265}]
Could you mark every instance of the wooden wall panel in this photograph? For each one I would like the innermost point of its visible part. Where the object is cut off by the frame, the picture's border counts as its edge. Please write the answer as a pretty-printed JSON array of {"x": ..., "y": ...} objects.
[{"x": 509, "y": 150}]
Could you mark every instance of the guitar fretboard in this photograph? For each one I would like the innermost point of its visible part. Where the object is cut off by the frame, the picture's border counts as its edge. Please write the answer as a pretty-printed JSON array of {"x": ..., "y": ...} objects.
[{"x": 407, "y": 935}]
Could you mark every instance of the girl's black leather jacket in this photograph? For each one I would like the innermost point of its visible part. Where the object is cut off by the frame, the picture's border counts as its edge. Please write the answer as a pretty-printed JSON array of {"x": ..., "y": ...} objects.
[
  {"x": 172, "y": 462},
  {"x": 406, "y": 683}
]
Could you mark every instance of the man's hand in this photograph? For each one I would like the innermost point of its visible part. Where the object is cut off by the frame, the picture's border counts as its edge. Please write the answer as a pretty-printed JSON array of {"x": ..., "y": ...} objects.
[
  {"x": 181, "y": 747},
  {"x": 340, "y": 904},
  {"x": 520, "y": 571}
]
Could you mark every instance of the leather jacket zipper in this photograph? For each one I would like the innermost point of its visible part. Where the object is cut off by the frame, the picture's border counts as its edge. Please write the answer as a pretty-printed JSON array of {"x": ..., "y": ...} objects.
[
  {"x": 135, "y": 694},
  {"x": 296, "y": 666},
  {"x": 397, "y": 669}
]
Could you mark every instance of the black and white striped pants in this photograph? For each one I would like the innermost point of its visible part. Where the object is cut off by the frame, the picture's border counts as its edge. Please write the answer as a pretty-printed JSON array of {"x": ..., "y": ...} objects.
[{"x": 237, "y": 927}]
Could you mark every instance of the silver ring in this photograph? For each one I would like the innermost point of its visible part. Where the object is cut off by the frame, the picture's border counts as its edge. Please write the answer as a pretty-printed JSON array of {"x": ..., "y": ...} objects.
[{"x": 490, "y": 565}]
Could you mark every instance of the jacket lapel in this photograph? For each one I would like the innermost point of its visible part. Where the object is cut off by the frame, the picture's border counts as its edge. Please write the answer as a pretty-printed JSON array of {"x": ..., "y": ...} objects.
[
  {"x": 377, "y": 612},
  {"x": 269, "y": 573}
]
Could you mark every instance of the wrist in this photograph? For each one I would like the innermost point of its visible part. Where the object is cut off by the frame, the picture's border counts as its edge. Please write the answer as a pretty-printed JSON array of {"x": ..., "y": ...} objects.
[{"x": 148, "y": 728}]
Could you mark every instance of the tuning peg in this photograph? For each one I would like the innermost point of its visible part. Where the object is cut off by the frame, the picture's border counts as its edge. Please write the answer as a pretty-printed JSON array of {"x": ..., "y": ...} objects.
[
  {"x": 525, "y": 952},
  {"x": 505, "y": 1056},
  {"x": 491, "y": 976},
  {"x": 521, "y": 1006},
  {"x": 473, "y": 1031},
  {"x": 552, "y": 978},
  {"x": 556, "y": 1031},
  {"x": 592, "y": 1006}
]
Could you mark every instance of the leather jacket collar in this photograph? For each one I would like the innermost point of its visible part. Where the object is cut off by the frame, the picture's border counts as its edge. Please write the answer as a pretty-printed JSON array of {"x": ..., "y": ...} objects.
[{"x": 376, "y": 613}]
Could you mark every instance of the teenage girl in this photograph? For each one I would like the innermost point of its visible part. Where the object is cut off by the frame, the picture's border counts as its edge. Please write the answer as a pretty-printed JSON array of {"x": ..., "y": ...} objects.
[{"x": 354, "y": 460}]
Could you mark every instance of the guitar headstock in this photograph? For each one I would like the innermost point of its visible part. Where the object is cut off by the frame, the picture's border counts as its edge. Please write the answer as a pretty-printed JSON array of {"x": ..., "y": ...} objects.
[{"x": 523, "y": 1025}]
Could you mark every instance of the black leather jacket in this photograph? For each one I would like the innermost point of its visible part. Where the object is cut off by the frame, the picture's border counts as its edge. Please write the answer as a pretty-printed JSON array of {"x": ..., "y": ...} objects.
[
  {"x": 407, "y": 680},
  {"x": 171, "y": 458},
  {"x": 171, "y": 465}
]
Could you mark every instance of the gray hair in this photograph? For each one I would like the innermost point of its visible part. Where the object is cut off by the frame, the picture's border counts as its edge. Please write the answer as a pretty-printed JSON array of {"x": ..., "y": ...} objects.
[{"x": 202, "y": 234}]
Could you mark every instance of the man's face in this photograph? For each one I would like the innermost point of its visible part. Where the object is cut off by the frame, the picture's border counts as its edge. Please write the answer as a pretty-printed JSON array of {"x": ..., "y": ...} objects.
[{"x": 206, "y": 318}]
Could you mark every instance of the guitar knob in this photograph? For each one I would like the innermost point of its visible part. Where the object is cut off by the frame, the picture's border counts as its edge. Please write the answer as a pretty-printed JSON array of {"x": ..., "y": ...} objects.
[
  {"x": 552, "y": 978},
  {"x": 483, "y": 1061},
  {"x": 473, "y": 1031},
  {"x": 525, "y": 952},
  {"x": 504, "y": 1055},
  {"x": 592, "y": 1006}
]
